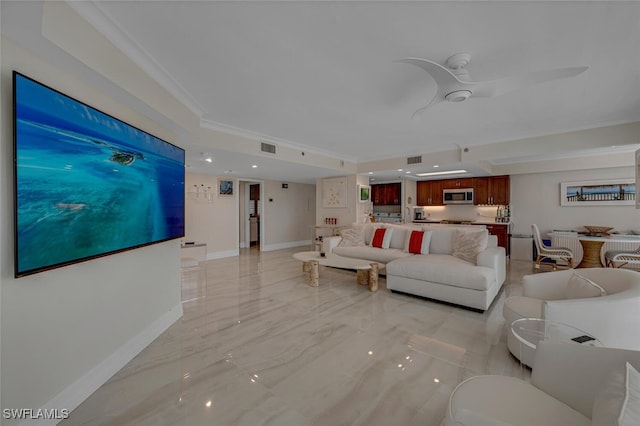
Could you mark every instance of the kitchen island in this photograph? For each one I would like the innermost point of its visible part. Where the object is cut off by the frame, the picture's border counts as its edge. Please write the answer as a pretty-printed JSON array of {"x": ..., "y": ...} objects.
[{"x": 499, "y": 229}]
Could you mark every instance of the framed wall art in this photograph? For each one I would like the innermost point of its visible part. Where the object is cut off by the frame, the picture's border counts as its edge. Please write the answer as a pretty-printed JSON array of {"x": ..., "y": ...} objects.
[
  {"x": 225, "y": 188},
  {"x": 364, "y": 193},
  {"x": 612, "y": 192},
  {"x": 334, "y": 192}
]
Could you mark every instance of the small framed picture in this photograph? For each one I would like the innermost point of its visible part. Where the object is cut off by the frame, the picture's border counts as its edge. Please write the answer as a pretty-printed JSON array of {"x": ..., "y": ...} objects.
[
  {"x": 365, "y": 193},
  {"x": 225, "y": 187}
]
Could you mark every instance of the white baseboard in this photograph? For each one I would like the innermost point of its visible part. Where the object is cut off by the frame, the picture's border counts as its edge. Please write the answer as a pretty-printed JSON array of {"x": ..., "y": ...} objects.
[
  {"x": 289, "y": 244},
  {"x": 222, "y": 254},
  {"x": 81, "y": 389}
]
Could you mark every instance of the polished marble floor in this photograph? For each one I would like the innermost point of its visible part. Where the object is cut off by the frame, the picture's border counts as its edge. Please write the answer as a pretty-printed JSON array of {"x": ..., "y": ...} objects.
[{"x": 258, "y": 346}]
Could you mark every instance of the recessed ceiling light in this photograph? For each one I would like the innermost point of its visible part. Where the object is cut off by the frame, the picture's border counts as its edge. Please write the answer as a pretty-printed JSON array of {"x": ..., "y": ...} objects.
[
  {"x": 208, "y": 160},
  {"x": 407, "y": 172},
  {"x": 255, "y": 166},
  {"x": 448, "y": 172},
  {"x": 399, "y": 170},
  {"x": 436, "y": 165},
  {"x": 370, "y": 173}
]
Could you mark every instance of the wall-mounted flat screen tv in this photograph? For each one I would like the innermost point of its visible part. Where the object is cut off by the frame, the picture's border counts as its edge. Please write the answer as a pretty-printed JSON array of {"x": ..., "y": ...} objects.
[{"x": 87, "y": 184}]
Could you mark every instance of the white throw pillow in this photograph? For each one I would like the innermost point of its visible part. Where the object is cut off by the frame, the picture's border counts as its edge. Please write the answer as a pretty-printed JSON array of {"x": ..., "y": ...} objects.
[
  {"x": 468, "y": 244},
  {"x": 417, "y": 242},
  {"x": 351, "y": 237},
  {"x": 618, "y": 403},
  {"x": 579, "y": 287},
  {"x": 381, "y": 238}
]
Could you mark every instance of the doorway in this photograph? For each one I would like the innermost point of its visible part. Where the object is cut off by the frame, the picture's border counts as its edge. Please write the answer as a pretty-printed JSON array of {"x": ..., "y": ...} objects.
[{"x": 251, "y": 215}]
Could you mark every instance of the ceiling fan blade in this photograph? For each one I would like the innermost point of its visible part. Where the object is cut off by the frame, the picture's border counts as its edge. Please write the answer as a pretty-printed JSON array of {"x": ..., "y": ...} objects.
[
  {"x": 488, "y": 89},
  {"x": 440, "y": 74},
  {"x": 446, "y": 81},
  {"x": 419, "y": 113}
]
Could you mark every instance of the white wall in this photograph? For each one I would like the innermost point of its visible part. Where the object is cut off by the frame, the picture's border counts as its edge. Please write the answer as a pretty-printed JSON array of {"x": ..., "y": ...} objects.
[
  {"x": 288, "y": 215},
  {"x": 535, "y": 198},
  {"x": 214, "y": 222},
  {"x": 287, "y": 219},
  {"x": 66, "y": 331}
]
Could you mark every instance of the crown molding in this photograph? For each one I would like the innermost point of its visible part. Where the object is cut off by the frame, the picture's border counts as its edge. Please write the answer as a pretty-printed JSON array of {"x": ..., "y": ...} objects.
[
  {"x": 250, "y": 134},
  {"x": 99, "y": 19}
]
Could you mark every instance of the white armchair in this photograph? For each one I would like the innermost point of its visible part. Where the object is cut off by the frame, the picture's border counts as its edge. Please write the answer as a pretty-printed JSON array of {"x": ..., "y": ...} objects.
[
  {"x": 571, "y": 385},
  {"x": 613, "y": 318}
]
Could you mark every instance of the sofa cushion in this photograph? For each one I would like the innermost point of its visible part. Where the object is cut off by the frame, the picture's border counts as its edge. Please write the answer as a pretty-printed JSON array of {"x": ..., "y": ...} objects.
[
  {"x": 417, "y": 242},
  {"x": 618, "y": 403},
  {"x": 467, "y": 243},
  {"x": 579, "y": 287},
  {"x": 371, "y": 253},
  {"x": 443, "y": 269},
  {"x": 381, "y": 238},
  {"x": 441, "y": 239},
  {"x": 400, "y": 231}
]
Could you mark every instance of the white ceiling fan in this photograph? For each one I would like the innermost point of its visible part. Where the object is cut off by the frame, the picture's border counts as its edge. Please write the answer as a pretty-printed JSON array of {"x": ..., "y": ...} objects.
[{"x": 454, "y": 85}]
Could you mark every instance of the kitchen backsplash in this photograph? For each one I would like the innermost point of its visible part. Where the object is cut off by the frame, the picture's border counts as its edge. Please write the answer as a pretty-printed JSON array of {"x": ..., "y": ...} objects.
[{"x": 471, "y": 213}]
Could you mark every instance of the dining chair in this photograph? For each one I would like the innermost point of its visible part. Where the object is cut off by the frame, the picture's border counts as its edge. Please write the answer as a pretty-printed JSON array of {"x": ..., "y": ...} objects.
[
  {"x": 563, "y": 254},
  {"x": 620, "y": 258}
]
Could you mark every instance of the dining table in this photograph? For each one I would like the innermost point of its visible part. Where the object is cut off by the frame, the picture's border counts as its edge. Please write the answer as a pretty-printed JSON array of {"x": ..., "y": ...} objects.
[{"x": 592, "y": 245}]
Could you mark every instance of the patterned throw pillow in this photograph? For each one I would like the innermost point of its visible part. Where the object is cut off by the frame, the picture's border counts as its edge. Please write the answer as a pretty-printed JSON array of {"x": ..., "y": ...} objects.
[
  {"x": 418, "y": 242},
  {"x": 468, "y": 244},
  {"x": 381, "y": 238},
  {"x": 351, "y": 237}
]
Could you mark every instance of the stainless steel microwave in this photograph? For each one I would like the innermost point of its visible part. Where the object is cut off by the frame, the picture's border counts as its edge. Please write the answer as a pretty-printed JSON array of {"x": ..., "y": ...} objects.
[{"x": 458, "y": 196}]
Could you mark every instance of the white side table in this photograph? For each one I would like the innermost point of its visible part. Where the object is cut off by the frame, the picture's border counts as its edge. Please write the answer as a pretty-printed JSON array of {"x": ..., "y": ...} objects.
[
  {"x": 530, "y": 331},
  {"x": 192, "y": 253}
]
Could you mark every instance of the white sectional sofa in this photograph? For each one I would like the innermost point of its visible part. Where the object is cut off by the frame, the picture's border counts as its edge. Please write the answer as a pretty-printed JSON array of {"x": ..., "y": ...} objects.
[{"x": 438, "y": 275}]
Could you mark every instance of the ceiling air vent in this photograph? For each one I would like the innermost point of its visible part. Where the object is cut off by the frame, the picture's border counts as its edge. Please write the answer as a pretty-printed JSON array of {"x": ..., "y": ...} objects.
[
  {"x": 414, "y": 160},
  {"x": 267, "y": 147}
]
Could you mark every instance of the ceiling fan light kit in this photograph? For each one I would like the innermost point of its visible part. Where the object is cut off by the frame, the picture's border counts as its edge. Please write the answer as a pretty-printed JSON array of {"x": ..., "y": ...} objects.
[
  {"x": 458, "y": 96},
  {"x": 453, "y": 84}
]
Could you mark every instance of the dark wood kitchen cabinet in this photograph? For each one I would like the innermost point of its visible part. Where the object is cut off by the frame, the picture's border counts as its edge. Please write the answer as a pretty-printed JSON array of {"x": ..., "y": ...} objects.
[
  {"x": 492, "y": 190},
  {"x": 386, "y": 194},
  {"x": 429, "y": 193},
  {"x": 457, "y": 183},
  {"x": 501, "y": 232}
]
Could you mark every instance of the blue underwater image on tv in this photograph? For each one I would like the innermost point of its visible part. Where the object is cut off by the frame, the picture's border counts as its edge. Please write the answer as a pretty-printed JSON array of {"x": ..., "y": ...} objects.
[{"x": 87, "y": 184}]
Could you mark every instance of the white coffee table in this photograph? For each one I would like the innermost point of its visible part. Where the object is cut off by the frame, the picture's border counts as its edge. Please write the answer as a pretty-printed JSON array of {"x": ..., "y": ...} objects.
[
  {"x": 367, "y": 271},
  {"x": 530, "y": 331}
]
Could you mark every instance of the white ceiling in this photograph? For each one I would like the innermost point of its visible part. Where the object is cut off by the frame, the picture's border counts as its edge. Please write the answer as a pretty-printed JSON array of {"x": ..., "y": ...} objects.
[{"x": 320, "y": 75}]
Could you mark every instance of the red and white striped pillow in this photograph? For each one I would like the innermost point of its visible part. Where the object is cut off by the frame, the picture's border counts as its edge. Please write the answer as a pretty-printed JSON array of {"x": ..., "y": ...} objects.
[
  {"x": 417, "y": 242},
  {"x": 381, "y": 238}
]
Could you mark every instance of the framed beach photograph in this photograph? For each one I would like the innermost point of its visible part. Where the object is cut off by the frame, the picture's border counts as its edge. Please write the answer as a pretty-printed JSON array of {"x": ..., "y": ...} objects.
[
  {"x": 225, "y": 188},
  {"x": 364, "y": 192},
  {"x": 612, "y": 192}
]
